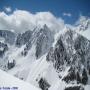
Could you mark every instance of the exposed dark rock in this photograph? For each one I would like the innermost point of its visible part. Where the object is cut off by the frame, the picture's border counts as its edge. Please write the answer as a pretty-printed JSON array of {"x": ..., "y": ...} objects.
[
  {"x": 10, "y": 65},
  {"x": 43, "y": 84},
  {"x": 8, "y": 36},
  {"x": 44, "y": 41},
  {"x": 23, "y": 38},
  {"x": 74, "y": 88},
  {"x": 84, "y": 77},
  {"x": 71, "y": 76},
  {"x": 3, "y": 49},
  {"x": 78, "y": 78}
]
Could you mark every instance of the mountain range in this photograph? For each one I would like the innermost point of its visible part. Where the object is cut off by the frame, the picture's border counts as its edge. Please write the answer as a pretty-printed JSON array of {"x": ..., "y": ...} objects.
[{"x": 46, "y": 59}]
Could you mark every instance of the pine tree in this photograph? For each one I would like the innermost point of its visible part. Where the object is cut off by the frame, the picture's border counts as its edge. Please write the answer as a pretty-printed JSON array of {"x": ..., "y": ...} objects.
[{"x": 84, "y": 77}]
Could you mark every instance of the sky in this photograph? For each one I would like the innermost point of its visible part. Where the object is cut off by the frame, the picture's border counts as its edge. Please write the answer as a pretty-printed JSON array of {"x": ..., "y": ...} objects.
[{"x": 69, "y": 10}]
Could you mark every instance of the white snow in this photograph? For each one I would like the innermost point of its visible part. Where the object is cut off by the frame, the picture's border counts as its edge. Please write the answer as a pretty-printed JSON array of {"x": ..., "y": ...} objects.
[
  {"x": 7, "y": 80},
  {"x": 85, "y": 33},
  {"x": 1, "y": 49},
  {"x": 2, "y": 40},
  {"x": 87, "y": 87},
  {"x": 23, "y": 64},
  {"x": 37, "y": 69},
  {"x": 59, "y": 85}
]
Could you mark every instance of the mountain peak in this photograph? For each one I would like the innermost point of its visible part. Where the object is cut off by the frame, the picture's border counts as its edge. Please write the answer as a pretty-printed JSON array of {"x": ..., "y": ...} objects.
[{"x": 83, "y": 23}]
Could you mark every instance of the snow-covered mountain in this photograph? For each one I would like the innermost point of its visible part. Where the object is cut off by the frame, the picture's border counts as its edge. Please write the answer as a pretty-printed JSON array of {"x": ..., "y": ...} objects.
[
  {"x": 83, "y": 26},
  {"x": 49, "y": 60},
  {"x": 8, "y": 36},
  {"x": 70, "y": 48},
  {"x": 9, "y": 82}
]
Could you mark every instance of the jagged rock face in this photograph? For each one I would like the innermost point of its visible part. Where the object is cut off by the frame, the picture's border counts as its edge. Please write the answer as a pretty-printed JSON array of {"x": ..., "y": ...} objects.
[
  {"x": 42, "y": 38},
  {"x": 43, "y": 84},
  {"x": 3, "y": 49},
  {"x": 44, "y": 41},
  {"x": 70, "y": 49},
  {"x": 82, "y": 47},
  {"x": 84, "y": 24},
  {"x": 8, "y": 36},
  {"x": 74, "y": 88},
  {"x": 23, "y": 38}
]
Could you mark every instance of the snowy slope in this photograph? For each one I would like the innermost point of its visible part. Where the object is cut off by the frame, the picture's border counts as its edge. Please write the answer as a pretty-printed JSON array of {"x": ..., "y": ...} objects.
[{"x": 7, "y": 80}]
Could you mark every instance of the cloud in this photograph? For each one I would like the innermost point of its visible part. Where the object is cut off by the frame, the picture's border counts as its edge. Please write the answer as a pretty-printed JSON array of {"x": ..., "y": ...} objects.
[
  {"x": 7, "y": 9},
  {"x": 67, "y": 14},
  {"x": 21, "y": 20}
]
